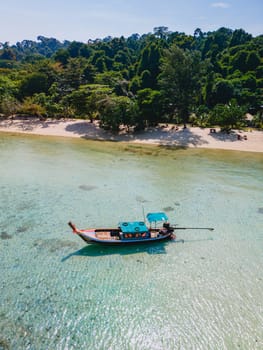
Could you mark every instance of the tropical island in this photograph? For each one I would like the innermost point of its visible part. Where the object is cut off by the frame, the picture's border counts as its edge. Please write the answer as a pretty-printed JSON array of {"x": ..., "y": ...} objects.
[{"x": 160, "y": 87}]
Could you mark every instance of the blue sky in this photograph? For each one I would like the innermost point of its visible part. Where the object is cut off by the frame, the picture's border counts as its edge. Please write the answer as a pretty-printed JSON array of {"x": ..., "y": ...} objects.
[{"x": 85, "y": 19}]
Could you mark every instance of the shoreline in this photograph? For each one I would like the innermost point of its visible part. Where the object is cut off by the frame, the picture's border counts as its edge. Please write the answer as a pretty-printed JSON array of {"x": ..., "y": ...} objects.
[{"x": 167, "y": 135}]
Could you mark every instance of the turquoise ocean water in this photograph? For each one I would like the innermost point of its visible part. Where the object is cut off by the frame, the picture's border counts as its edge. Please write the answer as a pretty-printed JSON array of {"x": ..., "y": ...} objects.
[{"x": 57, "y": 293}]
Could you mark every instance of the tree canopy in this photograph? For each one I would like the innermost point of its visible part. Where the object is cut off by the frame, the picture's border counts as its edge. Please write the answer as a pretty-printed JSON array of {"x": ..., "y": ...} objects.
[{"x": 136, "y": 81}]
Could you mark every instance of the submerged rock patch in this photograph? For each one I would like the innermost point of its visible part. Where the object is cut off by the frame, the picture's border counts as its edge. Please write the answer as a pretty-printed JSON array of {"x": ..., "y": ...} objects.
[
  {"x": 168, "y": 209},
  {"x": 5, "y": 235},
  {"x": 4, "y": 345},
  {"x": 87, "y": 187},
  {"x": 22, "y": 229},
  {"x": 140, "y": 199},
  {"x": 53, "y": 245},
  {"x": 260, "y": 210}
]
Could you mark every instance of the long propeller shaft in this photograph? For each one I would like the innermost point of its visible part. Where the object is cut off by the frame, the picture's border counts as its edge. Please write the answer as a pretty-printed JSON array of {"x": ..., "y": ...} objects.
[{"x": 193, "y": 228}]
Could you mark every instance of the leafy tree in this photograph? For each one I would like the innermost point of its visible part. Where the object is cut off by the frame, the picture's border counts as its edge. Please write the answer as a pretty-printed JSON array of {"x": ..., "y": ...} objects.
[
  {"x": 73, "y": 74},
  {"x": 216, "y": 42},
  {"x": 51, "y": 106},
  {"x": 253, "y": 61},
  {"x": 161, "y": 32},
  {"x": 135, "y": 84},
  {"x": 109, "y": 78},
  {"x": 29, "y": 107},
  {"x": 249, "y": 81},
  {"x": 86, "y": 100},
  {"x": 63, "y": 77},
  {"x": 47, "y": 46},
  {"x": 123, "y": 57},
  {"x": 121, "y": 88},
  {"x": 183, "y": 41},
  {"x": 116, "y": 111},
  {"x": 239, "y": 61},
  {"x": 74, "y": 49},
  {"x": 198, "y": 42},
  {"x": 239, "y": 37},
  {"x": 228, "y": 116},
  {"x": 133, "y": 42},
  {"x": 8, "y": 87},
  {"x": 97, "y": 95},
  {"x": 49, "y": 68},
  {"x": 223, "y": 91},
  {"x": 201, "y": 116},
  {"x": 150, "y": 62},
  {"x": 198, "y": 33},
  {"x": 180, "y": 80},
  {"x": 208, "y": 88},
  {"x": 77, "y": 99},
  {"x": 62, "y": 56},
  {"x": 8, "y": 54},
  {"x": 34, "y": 83},
  {"x": 149, "y": 106},
  {"x": 100, "y": 64},
  {"x": 146, "y": 79},
  {"x": 9, "y": 105}
]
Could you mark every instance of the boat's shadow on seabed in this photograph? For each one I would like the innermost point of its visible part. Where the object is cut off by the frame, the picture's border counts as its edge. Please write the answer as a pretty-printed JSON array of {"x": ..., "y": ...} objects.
[
  {"x": 156, "y": 248},
  {"x": 98, "y": 250}
]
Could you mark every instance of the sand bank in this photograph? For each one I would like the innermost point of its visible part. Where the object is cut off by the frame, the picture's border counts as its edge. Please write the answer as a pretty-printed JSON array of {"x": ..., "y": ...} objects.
[{"x": 251, "y": 141}]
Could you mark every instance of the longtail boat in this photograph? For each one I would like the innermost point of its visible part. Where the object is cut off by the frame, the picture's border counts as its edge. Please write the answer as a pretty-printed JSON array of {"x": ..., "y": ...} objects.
[{"x": 130, "y": 232}]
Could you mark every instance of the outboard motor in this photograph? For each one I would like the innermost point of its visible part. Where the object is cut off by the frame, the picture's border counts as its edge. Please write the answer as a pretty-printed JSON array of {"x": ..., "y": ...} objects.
[{"x": 167, "y": 226}]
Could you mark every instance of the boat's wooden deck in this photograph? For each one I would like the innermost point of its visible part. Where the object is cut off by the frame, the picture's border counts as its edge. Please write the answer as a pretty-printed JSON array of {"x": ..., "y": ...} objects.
[{"x": 104, "y": 235}]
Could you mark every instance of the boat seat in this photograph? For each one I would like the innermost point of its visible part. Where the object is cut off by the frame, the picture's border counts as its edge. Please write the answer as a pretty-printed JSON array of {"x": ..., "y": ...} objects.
[
  {"x": 103, "y": 235},
  {"x": 154, "y": 234}
]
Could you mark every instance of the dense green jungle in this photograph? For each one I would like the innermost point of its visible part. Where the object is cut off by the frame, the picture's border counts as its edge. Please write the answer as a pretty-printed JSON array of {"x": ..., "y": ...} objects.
[{"x": 208, "y": 78}]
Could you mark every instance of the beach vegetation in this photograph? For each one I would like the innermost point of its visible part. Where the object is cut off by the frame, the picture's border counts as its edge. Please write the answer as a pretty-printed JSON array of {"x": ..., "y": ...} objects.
[
  {"x": 201, "y": 117},
  {"x": 30, "y": 107},
  {"x": 116, "y": 111},
  {"x": 138, "y": 81},
  {"x": 229, "y": 116},
  {"x": 33, "y": 83},
  {"x": 180, "y": 81},
  {"x": 149, "y": 106},
  {"x": 9, "y": 105}
]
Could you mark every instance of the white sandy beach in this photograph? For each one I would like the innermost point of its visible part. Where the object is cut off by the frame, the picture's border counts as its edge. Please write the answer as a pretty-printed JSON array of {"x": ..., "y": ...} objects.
[{"x": 251, "y": 141}]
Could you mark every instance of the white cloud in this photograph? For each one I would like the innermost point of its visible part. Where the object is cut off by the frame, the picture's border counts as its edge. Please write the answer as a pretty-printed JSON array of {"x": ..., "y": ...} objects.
[{"x": 222, "y": 5}]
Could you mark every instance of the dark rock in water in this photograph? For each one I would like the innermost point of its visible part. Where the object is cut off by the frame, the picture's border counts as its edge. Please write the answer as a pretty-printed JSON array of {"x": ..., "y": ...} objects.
[
  {"x": 5, "y": 235},
  {"x": 87, "y": 187},
  {"x": 168, "y": 209},
  {"x": 260, "y": 210},
  {"x": 24, "y": 206},
  {"x": 177, "y": 204},
  {"x": 53, "y": 245},
  {"x": 141, "y": 199},
  {"x": 21, "y": 229},
  {"x": 4, "y": 345}
]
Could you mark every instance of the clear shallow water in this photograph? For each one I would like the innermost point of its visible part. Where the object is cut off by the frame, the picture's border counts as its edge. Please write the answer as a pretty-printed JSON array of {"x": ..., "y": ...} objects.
[{"x": 57, "y": 293}]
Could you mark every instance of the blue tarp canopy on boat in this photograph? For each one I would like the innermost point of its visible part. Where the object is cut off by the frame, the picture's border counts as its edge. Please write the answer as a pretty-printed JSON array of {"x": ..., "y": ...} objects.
[
  {"x": 133, "y": 227},
  {"x": 153, "y": 217}
]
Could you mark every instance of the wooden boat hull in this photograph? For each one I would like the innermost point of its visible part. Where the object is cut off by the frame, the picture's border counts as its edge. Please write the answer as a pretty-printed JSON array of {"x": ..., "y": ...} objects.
[
  {"x": 127, "y": 242},
  {"x": 133, "y": 232},
  {"x": 128, "y": 233}
]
